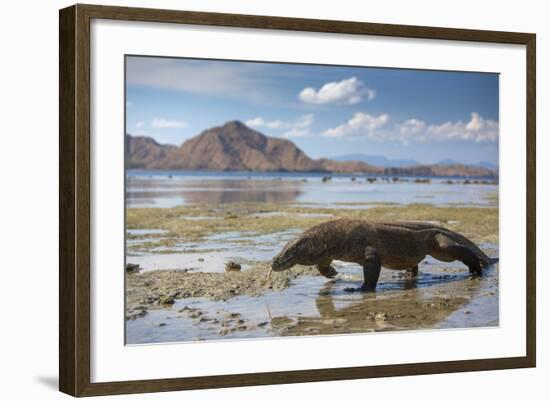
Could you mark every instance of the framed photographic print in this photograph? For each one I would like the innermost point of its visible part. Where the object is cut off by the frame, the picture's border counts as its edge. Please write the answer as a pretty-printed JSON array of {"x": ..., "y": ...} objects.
[{"x": 250, "y": 200}]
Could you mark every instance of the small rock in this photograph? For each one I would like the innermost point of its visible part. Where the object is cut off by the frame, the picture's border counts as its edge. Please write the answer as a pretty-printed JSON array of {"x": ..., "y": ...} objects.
[
  {"x": 311, "y": 330},
  {"x": 380, "y": 317},
  {"x": 262, "y": 324},
  {"x": 161, "y": 324},
  {"x": 281, "y": 320},
  {"x": 232, "y": 266},
  {"x": 201, "y": 259},
  {"x": 136, "y": 313},
  {"x": 132, "y": 268},
  {"x": 166, "y": 299},
  {"x": 233, "y": 314}
]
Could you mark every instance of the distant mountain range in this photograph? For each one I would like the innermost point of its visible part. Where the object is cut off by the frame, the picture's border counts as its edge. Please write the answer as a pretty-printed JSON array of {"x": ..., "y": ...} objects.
[
  {"x": 385, "y": 162},
  {"x": 377, "y": 160},
  {"x": 236, "y": 147},
  {"x": 484, "y": 164}
]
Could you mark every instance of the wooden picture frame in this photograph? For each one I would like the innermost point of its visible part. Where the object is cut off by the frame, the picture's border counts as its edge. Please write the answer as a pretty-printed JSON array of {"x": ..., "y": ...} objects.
[{"x": 75, "y": 207}]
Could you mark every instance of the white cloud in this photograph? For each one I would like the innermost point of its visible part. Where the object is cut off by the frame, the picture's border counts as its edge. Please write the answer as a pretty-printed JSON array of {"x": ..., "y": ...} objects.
[
  {"x": 360, "y": 125},
  {"x": 364, "y": 125},
  {"x": 140, "y": 124},
  {"x": 350, "y": 91},
  {"x": 412, "y": 127},
  {"x": 371, "y": 93},
  {"x": 482, "y": 129},
  {"x": 163, "y": 123},
  {"x": 296, "y": 132},
  {"x": 259, "y": 122},
  {"x": 297, "y": 127},
  {"x": 477, "y": 129},
  {"x": 304, "y": 121}
]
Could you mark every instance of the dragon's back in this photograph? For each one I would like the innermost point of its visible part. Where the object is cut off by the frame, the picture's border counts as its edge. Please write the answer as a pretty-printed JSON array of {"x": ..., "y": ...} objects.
[{"x": 398, "y": 243}]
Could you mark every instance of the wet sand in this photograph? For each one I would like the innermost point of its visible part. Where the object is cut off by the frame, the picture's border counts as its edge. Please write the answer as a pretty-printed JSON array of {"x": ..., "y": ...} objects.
[{"x": 167, "y": 306}]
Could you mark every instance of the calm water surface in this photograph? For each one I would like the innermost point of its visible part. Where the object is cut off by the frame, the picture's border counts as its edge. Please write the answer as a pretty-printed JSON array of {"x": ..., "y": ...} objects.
[{"x": 168, "y": 189}]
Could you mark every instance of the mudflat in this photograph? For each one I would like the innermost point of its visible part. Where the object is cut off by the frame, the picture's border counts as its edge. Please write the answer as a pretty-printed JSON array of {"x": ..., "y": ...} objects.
[{"x": 184, "y": 293}]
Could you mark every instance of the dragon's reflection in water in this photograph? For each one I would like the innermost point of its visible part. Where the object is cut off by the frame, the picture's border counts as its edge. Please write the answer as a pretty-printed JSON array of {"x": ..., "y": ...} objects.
[{"x": 413, "y": 306}]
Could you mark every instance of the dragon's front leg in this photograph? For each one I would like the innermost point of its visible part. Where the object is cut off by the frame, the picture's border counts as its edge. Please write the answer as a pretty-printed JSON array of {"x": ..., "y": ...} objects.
[
  {"x": 372, "y": 265},
  {"x": 326, "y": 270}
]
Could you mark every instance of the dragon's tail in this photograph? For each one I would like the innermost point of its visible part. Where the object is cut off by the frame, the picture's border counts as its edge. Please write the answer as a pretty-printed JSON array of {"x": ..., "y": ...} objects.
[{"x": 492, "y": 261}]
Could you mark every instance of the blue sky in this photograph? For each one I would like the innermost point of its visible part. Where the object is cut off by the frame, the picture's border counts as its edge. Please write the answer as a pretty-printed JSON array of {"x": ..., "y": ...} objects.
[{"x": 326, "y": 110}]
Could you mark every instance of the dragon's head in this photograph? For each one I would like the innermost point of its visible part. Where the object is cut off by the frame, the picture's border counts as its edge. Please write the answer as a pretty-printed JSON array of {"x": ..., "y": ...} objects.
[{"x": 295, "y": 252}]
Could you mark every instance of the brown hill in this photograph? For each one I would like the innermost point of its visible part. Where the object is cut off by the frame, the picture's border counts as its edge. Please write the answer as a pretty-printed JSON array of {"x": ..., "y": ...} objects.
[
  {"x": 350, "y": 167},
  {"x": 145, "y": 152},
  {"x": 236, "y": 147},
  {"x": 438, "y": 170},
  {"x": 230, "y": 147}
]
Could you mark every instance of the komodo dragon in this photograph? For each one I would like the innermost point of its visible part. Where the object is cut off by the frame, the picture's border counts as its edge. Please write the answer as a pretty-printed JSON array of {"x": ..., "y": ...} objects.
[{"x": 395, "y": 245}]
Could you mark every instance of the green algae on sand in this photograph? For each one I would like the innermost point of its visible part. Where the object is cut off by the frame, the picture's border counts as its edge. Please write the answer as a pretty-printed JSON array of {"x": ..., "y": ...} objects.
[{"x": 477, "y": 223}]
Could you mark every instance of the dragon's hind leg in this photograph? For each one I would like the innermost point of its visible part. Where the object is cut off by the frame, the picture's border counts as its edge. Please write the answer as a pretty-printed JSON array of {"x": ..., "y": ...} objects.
[{"x": 447, "y": 248}]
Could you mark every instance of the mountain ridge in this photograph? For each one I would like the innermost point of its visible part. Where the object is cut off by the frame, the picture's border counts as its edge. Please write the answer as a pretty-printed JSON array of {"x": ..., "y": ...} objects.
[
  {"x": 377, "y": 160},
  {"x": 234, "y": 146}
]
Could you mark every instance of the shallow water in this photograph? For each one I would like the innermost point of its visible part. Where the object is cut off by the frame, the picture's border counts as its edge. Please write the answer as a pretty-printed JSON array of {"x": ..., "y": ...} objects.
[
  {"x": 141, "y": 232},
  {"x": 441, "y": 297},
  {"x": 169, "y": 189},
  {"x": 212, "y": 254}
]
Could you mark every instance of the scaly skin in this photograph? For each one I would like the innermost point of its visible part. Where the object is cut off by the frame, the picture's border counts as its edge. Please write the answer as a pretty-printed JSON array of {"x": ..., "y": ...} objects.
[{"x": 394, "y": 245}]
